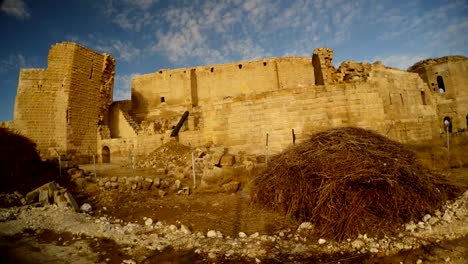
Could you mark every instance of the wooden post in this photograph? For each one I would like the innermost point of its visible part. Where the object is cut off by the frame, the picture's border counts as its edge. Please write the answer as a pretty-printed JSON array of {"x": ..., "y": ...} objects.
[
  {"x": 293, "y": 137},
  {"x": 266, "y": 150},
  {"x": 448, "y": 138},
  {"x": 193, "y": 171}
]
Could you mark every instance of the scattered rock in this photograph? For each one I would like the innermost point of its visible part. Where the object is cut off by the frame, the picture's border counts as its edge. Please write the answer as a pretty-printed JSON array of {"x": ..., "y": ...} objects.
[
  {"x": 71, "y": 201},
  {"x": 161, "y": 193},
  {"x": 227, "y": 160},
  {"x": 148, "y": 221},
  {"x": 184, "y": 229},
  {"x": 242, "y": 235},
  {"x": 358, "y": 244},
  {"x": 211, "y": 234},
  {"x": 231, "y": 187},
  {"x": 321, "y": 241},
  {"x": 86, "y": 207}
]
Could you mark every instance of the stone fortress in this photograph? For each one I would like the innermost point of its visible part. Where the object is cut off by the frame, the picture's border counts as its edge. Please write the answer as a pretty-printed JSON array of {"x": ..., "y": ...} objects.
[{"x": 68, "y": 107}]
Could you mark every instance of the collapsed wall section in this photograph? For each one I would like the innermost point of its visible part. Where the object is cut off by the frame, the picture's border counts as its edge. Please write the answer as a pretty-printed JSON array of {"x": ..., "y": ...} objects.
[
  {"x": 90, "y": 95},
  {"x": 41, "y": 105}
]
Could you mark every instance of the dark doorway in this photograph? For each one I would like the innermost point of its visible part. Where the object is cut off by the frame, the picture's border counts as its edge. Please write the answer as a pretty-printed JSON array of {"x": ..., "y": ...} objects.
[
  {"x": 466, "y": 121},
  {"x": 448, "y": 123},
  {"x": 105, "y": 155},
  {"x": 440, "y": 83}
]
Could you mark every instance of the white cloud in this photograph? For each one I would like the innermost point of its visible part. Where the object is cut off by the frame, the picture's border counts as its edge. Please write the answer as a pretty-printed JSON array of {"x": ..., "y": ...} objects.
[
  {"x": 123, "y": 86},
  {"x": 119, "y": 49},
  {"x": 130, "y": 15},
  {"x": 12, "y": 63},
  {"x": 16, "y": 8},
  {"x": 400, "y": 61}
]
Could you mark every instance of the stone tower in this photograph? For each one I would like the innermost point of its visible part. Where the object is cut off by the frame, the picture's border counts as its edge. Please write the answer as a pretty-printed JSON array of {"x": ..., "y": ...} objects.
[{"x": 62, "y": 107}]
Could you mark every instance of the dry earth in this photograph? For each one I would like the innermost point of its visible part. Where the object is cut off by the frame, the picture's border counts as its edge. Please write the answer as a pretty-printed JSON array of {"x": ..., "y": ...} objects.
[{"x": 210, "y": 228}]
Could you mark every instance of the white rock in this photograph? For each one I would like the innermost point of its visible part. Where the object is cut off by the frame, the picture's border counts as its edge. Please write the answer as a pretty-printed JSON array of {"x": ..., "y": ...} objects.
[
  {"x": 357, "y": 244},
  {"x": 242, "y": 235},
  {"x": 148, "y": 221},
  {"x": 419, "y": 261},
  {"x": 254, "y": 235},
  {"x": 184, "y": 229},
  {"x": 426, "y": 217},
  {"x": 410, "y": 226},
  {"x": 219, "y": 234},
  {"x": 305, "y": 226},
  {"x": 211, "y": 234},
  {"x": 86, "y": 207},
  {"x": 447, "y": 217},
  {"x": 257, "y": 260},
  {"x": 373, "y": 250},
  {"x": 321, "y": 241}
]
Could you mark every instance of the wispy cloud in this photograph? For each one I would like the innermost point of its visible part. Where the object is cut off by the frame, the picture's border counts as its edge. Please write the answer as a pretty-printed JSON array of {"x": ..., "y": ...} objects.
[
  {"x": 12, "y": 63},
  {"x": 130, "y": 15},
  {"x": 119, "y": 49},
  {"x": 15, "y": 8},
  {"x": 123, "y": 86},
  {"x": 400, "y": 61}
]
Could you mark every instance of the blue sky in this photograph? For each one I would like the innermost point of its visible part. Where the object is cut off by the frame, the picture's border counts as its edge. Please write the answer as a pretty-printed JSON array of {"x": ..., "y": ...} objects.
[{"x": 146, "y": 35}]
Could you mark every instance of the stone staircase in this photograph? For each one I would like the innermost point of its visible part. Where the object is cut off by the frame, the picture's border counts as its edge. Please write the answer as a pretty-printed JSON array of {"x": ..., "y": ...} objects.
[{"x": 124, "y": 107}]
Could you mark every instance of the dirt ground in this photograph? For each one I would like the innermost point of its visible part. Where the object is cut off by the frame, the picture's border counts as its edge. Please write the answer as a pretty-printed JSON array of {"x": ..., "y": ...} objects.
[{"x": 201, "y": 212}]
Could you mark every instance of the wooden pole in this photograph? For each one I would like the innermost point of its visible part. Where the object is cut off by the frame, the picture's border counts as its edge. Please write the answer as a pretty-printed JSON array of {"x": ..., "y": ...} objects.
[
  {"x": 266, "y": 149},
  {"x": 193, "y": 170}
]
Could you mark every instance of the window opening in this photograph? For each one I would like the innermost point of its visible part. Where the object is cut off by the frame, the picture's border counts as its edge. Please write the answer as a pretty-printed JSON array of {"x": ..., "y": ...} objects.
[
  {"x": 91, "y": 74},
  {"x": 105, "y": 154},
  {"x": 440, "y": 84},
  {"x": 423, "y": 97},
  {"x": 212, "y": 69},
  {"x": 240, "y": 66},
  {"x": 264, "y": 64},
  {"x": 163, "y": 99},
  {"x": 401, "y": 97}
]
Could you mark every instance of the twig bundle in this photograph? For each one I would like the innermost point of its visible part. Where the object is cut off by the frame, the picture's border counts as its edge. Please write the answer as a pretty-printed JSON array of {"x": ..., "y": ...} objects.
[{"x": 348, "y": 181}]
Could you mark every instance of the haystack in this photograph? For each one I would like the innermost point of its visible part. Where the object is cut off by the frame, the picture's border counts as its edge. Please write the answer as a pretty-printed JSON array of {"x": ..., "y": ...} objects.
[{"x": 350, "y": 181}]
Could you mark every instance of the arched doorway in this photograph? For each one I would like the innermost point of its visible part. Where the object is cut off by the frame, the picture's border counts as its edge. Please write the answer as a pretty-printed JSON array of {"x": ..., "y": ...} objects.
[
  {"x": 105, "y": 154},
  {"x": 448, "y": 123}
]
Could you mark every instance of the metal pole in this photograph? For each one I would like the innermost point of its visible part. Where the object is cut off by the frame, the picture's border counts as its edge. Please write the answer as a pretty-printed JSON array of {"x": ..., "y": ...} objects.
[
  {"x": 266, "y": 149},
  {"x": 94, "y": 161},
  {"x": 448, "y": 138},
  {"x": 193, "y": 170},
  {"x": 60, "y": 163}
]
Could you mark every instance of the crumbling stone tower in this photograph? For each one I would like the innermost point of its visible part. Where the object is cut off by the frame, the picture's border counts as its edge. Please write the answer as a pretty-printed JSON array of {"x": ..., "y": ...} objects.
[{"x": 62, "y": 107}]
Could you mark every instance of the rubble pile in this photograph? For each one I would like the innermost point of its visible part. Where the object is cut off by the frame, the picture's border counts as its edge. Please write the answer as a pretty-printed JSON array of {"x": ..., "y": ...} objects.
[
  {"x": 215, "y": 246},
  {"x": 47, "y": 194}
]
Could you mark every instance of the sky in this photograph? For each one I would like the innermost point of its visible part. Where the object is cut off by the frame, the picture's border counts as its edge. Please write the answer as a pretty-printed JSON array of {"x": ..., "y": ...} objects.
[{"x": 147, "y": 35}]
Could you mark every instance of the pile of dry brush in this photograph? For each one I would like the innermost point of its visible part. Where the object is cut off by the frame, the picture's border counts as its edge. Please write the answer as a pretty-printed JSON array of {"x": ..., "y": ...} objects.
[{"x": 350, "y": 181}]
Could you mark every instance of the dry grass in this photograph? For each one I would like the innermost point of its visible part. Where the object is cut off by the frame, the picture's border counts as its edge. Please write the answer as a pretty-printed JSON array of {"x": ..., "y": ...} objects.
[{"x": 348, "y": 181}]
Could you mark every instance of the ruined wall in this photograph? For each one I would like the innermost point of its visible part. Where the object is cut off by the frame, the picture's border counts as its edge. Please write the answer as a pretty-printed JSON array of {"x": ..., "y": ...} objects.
[
  {"x": 60, "y": 107},
  {"x": 90, "y": 98},
  {"x": 41, "y": 104},
  {"x": 450, "y": 72},
  {"x": 202, "y": 85},
  {"x": 242, "y": 122}
]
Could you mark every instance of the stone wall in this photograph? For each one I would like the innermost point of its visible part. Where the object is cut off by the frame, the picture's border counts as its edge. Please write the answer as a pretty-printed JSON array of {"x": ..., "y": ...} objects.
[
  {"x": 452, "y": 71},
  {"x": 60, "y": 107},
  {"x": 186, "y": 88}
]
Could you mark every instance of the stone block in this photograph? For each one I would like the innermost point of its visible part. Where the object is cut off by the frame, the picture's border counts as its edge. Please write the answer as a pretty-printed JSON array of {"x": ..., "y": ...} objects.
[
  {"x": 44, "y": 196},
  {"x": 231, "y": 187},
  {"x": 71, "y": 201},
  {"x": 227, "y": 160}
]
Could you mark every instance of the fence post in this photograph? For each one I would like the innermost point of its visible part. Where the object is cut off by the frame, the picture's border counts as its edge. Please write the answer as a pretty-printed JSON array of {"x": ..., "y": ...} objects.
[
  {"x": 193, "y": 171},
  {"x": 266, "y": 150}
]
